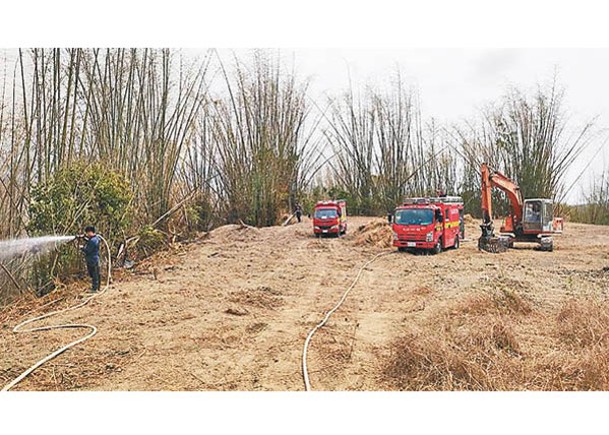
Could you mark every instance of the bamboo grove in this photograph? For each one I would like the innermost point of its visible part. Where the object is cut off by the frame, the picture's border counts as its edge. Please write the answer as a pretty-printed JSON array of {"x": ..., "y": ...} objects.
[{"x": 205, "y": 141}]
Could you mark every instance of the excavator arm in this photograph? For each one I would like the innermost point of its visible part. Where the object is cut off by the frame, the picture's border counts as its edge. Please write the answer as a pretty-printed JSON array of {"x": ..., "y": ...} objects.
[
  {"x": 488, "y": 241},
  {"x": 497, "y": 179}
]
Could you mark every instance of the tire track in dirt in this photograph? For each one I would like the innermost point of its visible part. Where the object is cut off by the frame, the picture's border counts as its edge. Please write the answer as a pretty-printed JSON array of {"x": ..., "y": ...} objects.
[
  {"x": 334, "y": 351},
  {"x": 264, "y": 367},
  {"x": 388, "y": 300},
  {"x": 281, "y": 366},
  {"x": 259, "y": 325},
  {"x": 268, "y": 357},
  {"x": 333, "y": 344}
]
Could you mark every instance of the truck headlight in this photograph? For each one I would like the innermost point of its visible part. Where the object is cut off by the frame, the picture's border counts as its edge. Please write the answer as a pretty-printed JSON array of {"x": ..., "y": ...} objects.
[
  {"x": 316, "y": 227},
  {"x": 429, "y": 236},
  {"x": 333, "y": 226}
]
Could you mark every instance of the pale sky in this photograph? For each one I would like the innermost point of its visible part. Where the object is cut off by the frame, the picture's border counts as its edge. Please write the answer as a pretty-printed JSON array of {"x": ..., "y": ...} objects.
[{"x": 454, "y": 82}]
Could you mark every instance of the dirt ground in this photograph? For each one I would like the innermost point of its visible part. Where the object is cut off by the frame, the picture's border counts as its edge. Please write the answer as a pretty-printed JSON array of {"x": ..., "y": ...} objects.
[{"x": 232, "y": 310}]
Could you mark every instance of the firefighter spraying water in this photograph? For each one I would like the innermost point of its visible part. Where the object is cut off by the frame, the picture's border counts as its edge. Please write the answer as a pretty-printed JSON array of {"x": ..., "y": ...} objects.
[
  {"x": 91, "y": 252},
  {"x": 90, "y": 249},
  {"x": 89, "y": 246}
]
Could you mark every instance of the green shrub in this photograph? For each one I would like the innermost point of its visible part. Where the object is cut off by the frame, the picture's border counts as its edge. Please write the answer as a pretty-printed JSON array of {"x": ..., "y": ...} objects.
[
  {"x": 150, "y": 240},
  {"x": 78, "y": 195}
]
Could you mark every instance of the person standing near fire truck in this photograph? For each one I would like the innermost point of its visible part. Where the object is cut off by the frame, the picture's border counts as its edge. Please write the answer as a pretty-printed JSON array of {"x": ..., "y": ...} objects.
[{"x": 298, "y": 212}]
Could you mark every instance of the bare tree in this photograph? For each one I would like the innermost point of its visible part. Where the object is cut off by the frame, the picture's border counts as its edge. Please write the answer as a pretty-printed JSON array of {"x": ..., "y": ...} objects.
[
  {"x": 264, "y": 150},
  {"x": 527, "y": 138}
]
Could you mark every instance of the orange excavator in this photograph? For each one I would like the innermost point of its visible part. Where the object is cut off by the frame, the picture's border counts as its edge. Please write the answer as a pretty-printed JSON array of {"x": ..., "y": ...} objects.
[{"x": 529, "y": 221}]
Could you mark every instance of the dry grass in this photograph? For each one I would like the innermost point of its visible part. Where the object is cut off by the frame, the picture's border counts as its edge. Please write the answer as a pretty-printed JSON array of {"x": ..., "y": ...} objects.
[
  {"x": 377, "y": 233},
  {"x": 30, "y": 305},
  {"x": 498, "y": 301},
  {"x": 583, "y": 325},
  {"x": 486, "y": 342}
]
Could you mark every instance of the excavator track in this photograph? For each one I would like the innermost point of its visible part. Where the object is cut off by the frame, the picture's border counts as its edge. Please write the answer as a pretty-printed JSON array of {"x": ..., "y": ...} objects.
[{"x": 494, "y": 245}]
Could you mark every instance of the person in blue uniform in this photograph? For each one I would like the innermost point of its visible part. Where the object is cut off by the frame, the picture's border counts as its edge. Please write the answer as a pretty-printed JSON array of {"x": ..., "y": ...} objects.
[{"x": 91, "y": 251}]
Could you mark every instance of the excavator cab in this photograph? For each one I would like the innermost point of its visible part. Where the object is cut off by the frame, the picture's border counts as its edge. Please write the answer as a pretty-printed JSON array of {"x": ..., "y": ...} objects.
[{"x": 538, "y": 216}]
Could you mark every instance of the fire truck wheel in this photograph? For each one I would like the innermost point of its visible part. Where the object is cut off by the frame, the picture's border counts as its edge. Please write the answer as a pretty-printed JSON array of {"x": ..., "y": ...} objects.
[
  {"x": 457, "y": 243},
  {"x": 438, "y": 248}
]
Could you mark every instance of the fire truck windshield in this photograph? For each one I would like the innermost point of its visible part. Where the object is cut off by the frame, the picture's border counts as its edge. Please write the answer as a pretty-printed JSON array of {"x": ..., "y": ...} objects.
[
  {"x": 414, "y": 216},
  {"x": 325, "y": 213}
]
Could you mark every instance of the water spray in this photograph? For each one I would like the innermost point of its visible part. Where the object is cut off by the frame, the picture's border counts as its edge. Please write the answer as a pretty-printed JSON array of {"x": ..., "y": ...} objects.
[{"x": 31, "y": 245}]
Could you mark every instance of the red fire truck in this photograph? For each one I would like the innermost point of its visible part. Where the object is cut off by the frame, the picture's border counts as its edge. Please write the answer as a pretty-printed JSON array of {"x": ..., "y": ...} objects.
[
  {"x": 429, "y": 223},
  {"x": 330, "y": 217}
]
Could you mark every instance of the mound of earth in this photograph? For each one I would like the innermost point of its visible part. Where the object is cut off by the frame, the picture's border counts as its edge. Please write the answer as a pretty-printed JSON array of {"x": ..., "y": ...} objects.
[
  {"x": 376, "y": 233},
  {"x": 235, "y": 233}
]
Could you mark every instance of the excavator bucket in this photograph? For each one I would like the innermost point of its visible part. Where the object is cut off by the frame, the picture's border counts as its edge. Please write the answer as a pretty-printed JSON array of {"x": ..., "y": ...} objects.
[
  {"x": 494, "y": 245},
  {"x": 489, "y": 242}
]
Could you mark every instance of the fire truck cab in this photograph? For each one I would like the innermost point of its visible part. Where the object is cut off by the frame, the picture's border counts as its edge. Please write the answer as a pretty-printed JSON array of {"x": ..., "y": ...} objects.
[
  {"x": 430, "y": 224},
  {"x": 330, "y": 217}
]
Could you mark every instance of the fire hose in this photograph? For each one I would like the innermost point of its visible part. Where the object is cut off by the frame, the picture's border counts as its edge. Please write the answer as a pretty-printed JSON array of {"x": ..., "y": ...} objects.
[
  {"x": 93, "y": 329},
  {"x": 321, "y": 324}
]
